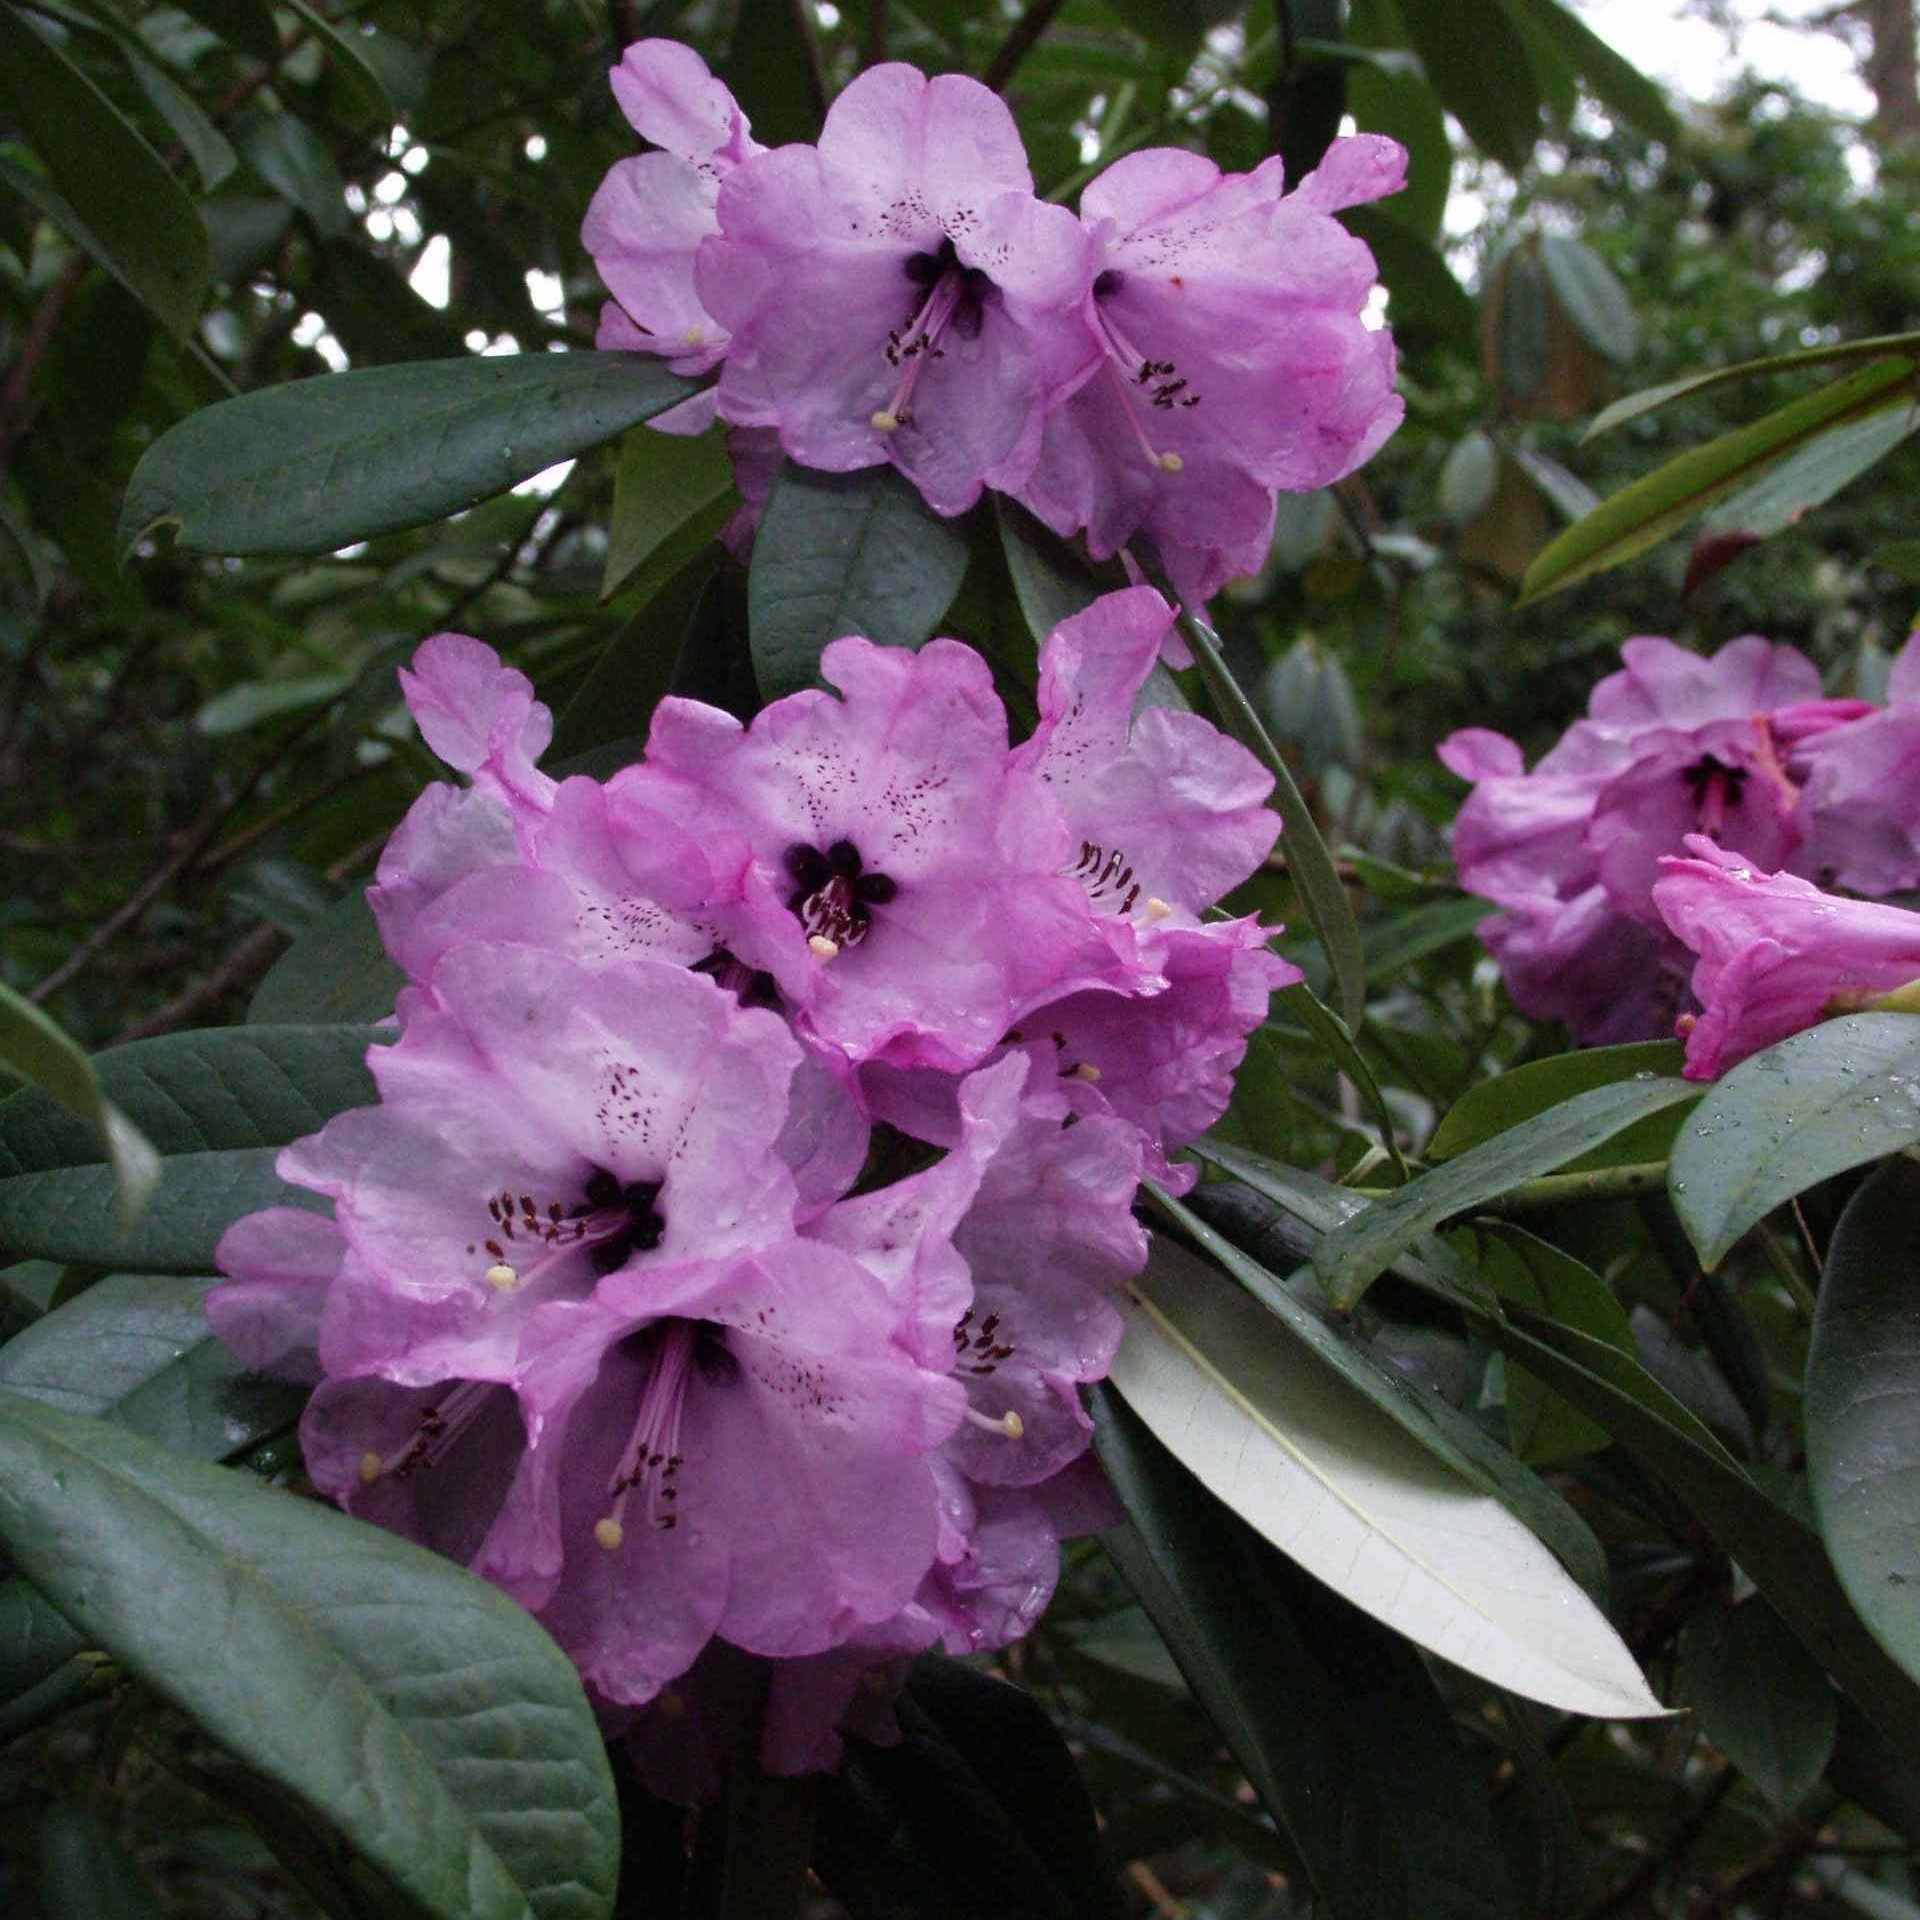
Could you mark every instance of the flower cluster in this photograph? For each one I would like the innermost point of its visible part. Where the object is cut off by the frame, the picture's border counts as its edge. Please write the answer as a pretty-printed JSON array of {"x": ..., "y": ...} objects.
[
  {"x": 1161, "y": 365},
  {"x": 1741, "y": 749},
  {"x": 753, "y": 1167}
]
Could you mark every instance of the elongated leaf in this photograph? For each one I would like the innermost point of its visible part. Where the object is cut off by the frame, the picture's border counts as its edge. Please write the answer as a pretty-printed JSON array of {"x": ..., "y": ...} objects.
[
  {"x": 1346, "y": 1492},
  {"x": 131, "y": 213},
  {"x": 1811, "y": 477},
  {"x": 1761, "y": 1699},
  {"x": 1350, "y": 1259},
  {"x": 1833, "y": 1097},
  {"x": 294, "y": 161},
  {"x": 1779, "y": 1553},
  {"x": 136, "y": 1349},
  {"x": 1863, "y": 1408},
  {"x": 1643, "y": 514},
  {"x": 1631, "y": 406},
  {"x": 1330, "y": 1030},
  {"x": 68, "y": 1214},
  {"x": 663, "y": 481},
  {"x": 33, "y": 1047},
  {"x": 1590, "y": 296},
  {"x": 1051, "y": 580},
  {"x": 1331, "y": 1715},
  {"x": 1490, "y": 1107},
  {"x": 245, "y": 25},
  {"x": 336, "y": 970},
  {"x": 1532, "y": 1273},
  {"x": 413, "y": 1708},
  {"x": 1615, "y": 82},
  {"x": 1395, "y": 944},
  {"x": 315, "y": 465},
  {"x": 362, "y": 75},
  {"x": 1402, "y": 106},
  {"x": 1776, "y": 1551},
  {"x": 217, "y": 1105},
  {"x": 1477, "y": 64},
  {"x": 841, "y": 553}
]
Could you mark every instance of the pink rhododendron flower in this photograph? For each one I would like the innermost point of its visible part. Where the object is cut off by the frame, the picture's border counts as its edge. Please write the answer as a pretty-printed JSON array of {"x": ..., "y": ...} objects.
[
  {"x": 651, "y": 213},
  {"x": 1775, "y": 953},
  {"x": 910, "y": 890},
  {"x": 1232, "y": 360},
  {"x": 1675, "y": 743},
  {"x": 896, "y": 292},
  {"x": 1863, "y": 791}
]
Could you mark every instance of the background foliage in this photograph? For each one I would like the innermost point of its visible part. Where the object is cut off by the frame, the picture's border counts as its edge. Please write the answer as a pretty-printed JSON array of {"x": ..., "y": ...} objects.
[{"x": 202, "y": 750}]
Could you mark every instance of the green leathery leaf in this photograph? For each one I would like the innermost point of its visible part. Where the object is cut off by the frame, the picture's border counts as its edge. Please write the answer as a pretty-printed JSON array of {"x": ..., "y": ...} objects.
[
  {"x": 1644, "y": 513},
  {"x": 32, "y": 1046},
  {"x": 1810, "y": 477},
  {"x": 217, "y": 1105},
  {"x": 317, "y": 464},
  {"x": 1863, "y": 1408},
  {"x": 136, "y": 1349},
  {"x": 1761, "y": 1698},
  {"x": 1331, "y": 1715},
  {"x": 1353, "y": 1256},
  {"x": 36, "y": 1639},
  {"x": 1615, "y": 82},
  {"x": 129, "y": 211},
  {"x": 412, "y": 1707},
  {"x": 336, "y": 970},
  {"x": 1590, "y": 296},
  {"x": 662, "y": 482},
  {"x": 1819, "y": 1102},
  {"x": 1477, "y": 63},
  {"x": 845, "y": 553},
  {"x": 1490, "y": 1107}
]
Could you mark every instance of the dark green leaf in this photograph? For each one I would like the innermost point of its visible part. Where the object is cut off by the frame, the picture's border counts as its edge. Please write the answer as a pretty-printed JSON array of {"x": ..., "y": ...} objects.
[
  {"x": 617, "y": 698},
  {"x": 1492, "y": 1106},
  {"x": 1424, "y": 298},
  {"x": 1761, "y": 1699},
  {"x": 36, "y": 1640},
  {"x": 1530, "y": 1272},
  {"x": 1477, "y": 64},
  {"x": 663, "y": 481},
  {"x": 1331, "y": 1715},
  {"x": 1590, "y": 296},
  {"x": 253, "y": 701},
  {"x": 413, "y": 1708},
  {"x": 1395, "y": 942},
  {"x": 136, "y": 1349},
  {"x": 85, "y": 1873},
  {"x": 313, "y": 466},
  {"x": 335, "y": 971},
  {"x": 1863, "y": 1407},
  {"x": 1836, "y": 1096},
  {"x": 1402, "y": 106},
  {"x": 1308, "y": 94},
  {"x": 1173, "y": 28},
  {"x": 1052, "y": 580},
  {"x": 128, "y": 211},
  {"x": 1643, "y": 514},
  {"x": 245, "y": 25},
  {"x": 344, "y": 44},
  {"x": 842, "y": 553},
  {"x": 1525, "y": 341},
  {"x": 35, "y": 1049},
  {"x": 1350, "y": 1258},
  {"x": 1615, "y": 82}
]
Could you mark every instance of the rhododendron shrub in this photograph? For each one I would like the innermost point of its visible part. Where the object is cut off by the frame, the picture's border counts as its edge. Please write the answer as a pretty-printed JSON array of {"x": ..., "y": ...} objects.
[{"x": 607, "y": 1305}]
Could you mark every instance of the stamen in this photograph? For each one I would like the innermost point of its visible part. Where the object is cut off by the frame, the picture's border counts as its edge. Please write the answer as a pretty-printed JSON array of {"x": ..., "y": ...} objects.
[
  {"x": 1128, "y": 369},
  {"x": 442, "y": 1422},
  {"x": 502, "y": 1276},
  {"x": 1009, "y": 1426},
  {"x": 1156, "y": 908},
  {"x": 651, "y": 1457},
  {"x": 910, "y": 351},
  {"x": 822, "y": 948},
  {"x": 1088, "y": 1072}
]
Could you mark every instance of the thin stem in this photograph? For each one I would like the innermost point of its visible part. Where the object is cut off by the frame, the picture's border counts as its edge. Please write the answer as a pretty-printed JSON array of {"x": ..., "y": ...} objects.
[
  {"x": 816, "y": 72},
  {"x": 1019, "y": 42},
  {"x": 875, "y": 49},
  {"x": 1567, "y": 1189},
  {"x": 1320, "y": 890}
]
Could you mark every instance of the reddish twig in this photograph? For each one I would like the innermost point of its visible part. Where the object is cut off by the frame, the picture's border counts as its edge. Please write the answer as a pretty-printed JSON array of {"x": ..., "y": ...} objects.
[{"x": 1020, "y": 41}]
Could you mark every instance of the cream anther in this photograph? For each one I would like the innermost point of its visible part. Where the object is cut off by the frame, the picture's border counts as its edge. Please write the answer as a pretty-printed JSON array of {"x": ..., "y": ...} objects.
[
  {"x": 608, "y": 1533},
  {"x": 1156, "y": 908},
  {"x": 821, "y": 947},
  {"x": 501, "y": 1276}
]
